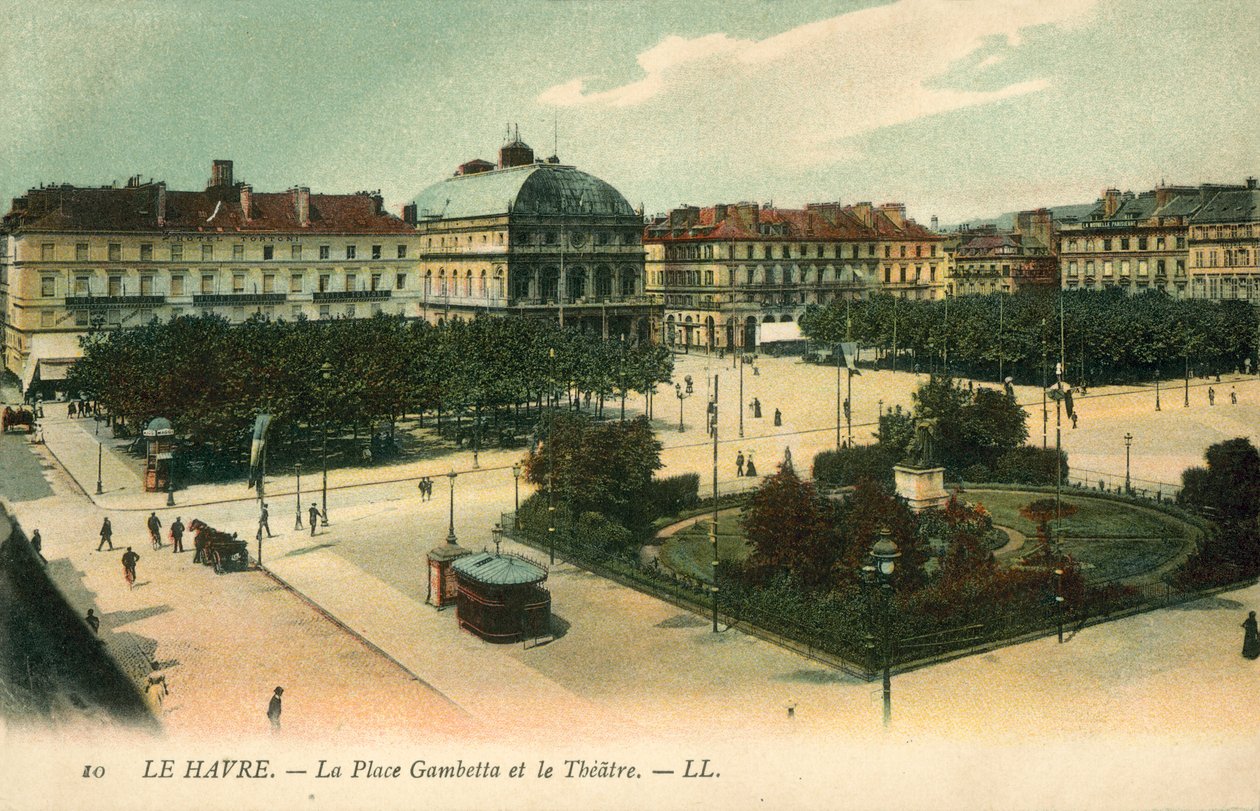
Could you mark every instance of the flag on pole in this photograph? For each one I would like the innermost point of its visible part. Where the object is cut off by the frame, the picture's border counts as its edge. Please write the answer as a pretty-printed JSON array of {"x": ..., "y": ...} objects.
[
  {"x": 849, "y": 349},
  {"x": 256, "y": 448}
]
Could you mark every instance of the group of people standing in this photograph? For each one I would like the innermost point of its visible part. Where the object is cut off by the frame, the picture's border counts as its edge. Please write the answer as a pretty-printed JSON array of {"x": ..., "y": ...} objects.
[
  {"x": 426, "y": 488},
  {"x": 745, "y": 466}
]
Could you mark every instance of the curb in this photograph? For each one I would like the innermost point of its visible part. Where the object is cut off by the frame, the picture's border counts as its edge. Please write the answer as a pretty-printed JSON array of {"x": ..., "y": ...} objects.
[{"x": 367, "y": 643}]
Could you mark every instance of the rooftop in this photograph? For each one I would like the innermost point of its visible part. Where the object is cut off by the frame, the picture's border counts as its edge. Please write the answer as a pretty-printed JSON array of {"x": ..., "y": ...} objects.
[
  {"x": 499, "y": 569},
  {"x": 536, "y": 188}
]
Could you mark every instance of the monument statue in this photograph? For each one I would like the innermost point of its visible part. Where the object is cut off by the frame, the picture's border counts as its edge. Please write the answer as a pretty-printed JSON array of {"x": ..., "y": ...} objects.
[{"x": 922, "y": 449}]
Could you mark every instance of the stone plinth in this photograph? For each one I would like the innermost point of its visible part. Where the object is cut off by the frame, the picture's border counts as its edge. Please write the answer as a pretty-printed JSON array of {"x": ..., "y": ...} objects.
[{"x": 922, "y": 488}]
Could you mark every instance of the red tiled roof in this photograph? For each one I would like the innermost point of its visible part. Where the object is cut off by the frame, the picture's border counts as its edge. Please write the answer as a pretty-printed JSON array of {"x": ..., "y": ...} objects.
[{"x": 135, "y": 208}]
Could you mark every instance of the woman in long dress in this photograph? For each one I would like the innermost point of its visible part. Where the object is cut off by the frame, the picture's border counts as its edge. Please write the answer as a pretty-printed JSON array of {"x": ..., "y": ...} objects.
[{"x": 1251, "y": 639}]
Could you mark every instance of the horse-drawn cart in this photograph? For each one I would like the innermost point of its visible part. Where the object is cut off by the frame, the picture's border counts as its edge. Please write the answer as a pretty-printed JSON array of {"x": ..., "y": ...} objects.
[
  {"x": 17, "y": 418},
  {"x": 218, "y": 549}
]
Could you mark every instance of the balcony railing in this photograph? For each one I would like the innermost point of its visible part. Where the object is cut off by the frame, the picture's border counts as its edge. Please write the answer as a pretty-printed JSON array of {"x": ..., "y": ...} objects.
[
  {"x": 112, "y": 302},
  {"x": 237, "y": 299},
  {"x": 353, "y": 295}
]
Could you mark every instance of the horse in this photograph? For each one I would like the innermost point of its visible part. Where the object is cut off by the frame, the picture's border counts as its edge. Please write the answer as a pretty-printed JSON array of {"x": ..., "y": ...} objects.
[{"x": 17, "y": 417}]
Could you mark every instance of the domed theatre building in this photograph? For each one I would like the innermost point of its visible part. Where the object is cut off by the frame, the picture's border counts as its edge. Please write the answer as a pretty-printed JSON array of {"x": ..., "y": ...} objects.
[{"x": 532, "y": 237}]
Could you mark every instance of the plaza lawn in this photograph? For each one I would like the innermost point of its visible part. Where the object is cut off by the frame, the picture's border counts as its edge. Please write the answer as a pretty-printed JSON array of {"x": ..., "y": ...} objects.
[
  {"x": 689, "y": 552},
  {"x": 1111, "y": 539}
]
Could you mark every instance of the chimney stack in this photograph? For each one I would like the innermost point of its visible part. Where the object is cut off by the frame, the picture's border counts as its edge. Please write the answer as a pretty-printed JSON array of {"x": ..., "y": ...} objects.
[
  {"x": 302, "y": 205},
  {"x": 863, "y": 212},
  {"x": 161, "y": 204},
  {"x": 378, "y": 203},
  {"x": 895, "y": 212},
  {"x": 1111, "y": 202},
  {"x": 246, "y": 195},
  {"x": 409, "y": 214},
  {"x": 221, "y": 173},
  {"x": 936, "y": 223}
]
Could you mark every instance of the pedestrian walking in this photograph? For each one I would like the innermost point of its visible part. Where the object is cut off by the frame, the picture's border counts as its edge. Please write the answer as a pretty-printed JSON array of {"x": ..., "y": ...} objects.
[
  {"x": 264, "y": 522},
  {"x": 93, "y": 621},
  {"x": 177, "y": 536},
  {"x": 750, "y": 469},
  {"x": 129, "y": 560},
  {"x": 756, "y": 406},
  {"x": 70, "y": 409},
  {"x": 155, "y": 689},
  {"x": 778, "y": 418},
  {"x": 1251, "y": 638},
  {"x": 314, "y": 515},
  {"x": 787, "y": 456},
  {"x": 37, "y": 543},
  {"x": 155, "y": 530},
  {"x": 739, "y": 464},
  {"x": 274, "y": 708},
  {"x": 1074, "y": 418},
  {"x": 1233, "y": 396},
  {"x": 107, "y": 535},
  {"x": 1211, "y": 396}
]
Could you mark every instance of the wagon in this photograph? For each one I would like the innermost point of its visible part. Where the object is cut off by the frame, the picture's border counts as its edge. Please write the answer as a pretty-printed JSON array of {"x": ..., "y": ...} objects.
[
  {"x": 218, "y": 549},
  {"x": 17, "y": 418}
]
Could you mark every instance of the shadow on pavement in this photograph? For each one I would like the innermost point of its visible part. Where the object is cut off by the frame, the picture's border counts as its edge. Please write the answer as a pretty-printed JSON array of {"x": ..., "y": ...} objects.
[
  {"x": 117, "y": 619},
  {"x": 1208, "y": 604},
  {"x": 818, "y": 677},
  {"x": 306, "y": 550},
  {"x": 682, "y": 621}
]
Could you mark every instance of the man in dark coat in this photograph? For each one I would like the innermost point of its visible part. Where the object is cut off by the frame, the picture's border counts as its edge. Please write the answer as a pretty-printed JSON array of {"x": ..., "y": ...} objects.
[
  {"x": 739, "y": 464},
  {"x": 93, "y": 621},
  {"x": 778, "y": 417},
  {"x": 129, "y": 561},
  {"x": 313, "y": 513},
  {"x": 264, "y": 522},
  {"x": 37, "y": 543},
  {"x": 273, "y": 709},
  {"x": 155, "y": 530},
  {"x": 177, "y": 535},
  {"x": 107, "y": 535}
]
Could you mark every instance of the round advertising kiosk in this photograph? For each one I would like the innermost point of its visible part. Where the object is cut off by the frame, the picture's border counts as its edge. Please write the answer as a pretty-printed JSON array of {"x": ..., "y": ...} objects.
[{"x": 500, "y": 598}]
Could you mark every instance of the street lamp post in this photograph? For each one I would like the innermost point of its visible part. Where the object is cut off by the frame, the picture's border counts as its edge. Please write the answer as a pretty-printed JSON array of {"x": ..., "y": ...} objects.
[
  {"x": 516, "y": 476},
  {"x": 297, "y": 502},
  {"x": 884, "y": 554},
  {"x": 450, "y": 533},
  {"x": 1058, "y": 601},
  {"x": 496, "y": 532},
  {"x": 1186, "y": 402},
  {"x": 99, "y": 453},
  {"x": 1128, "y": 443},
  {"x": 1157, "y": 389},
  {"x": 681, "y": 394},
  {"x": 326, "y": 373}
]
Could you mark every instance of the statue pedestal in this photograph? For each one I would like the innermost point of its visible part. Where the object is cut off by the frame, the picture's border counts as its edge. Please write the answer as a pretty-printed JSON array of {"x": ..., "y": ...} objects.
[{"x": 922, "y": 488}]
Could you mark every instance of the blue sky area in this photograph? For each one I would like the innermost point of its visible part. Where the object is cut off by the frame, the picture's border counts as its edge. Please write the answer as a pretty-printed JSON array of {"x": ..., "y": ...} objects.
[{"x": 960, "y": 108}]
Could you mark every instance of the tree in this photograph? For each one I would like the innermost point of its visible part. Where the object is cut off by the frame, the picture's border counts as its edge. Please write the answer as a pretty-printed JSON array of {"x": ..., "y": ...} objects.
[
  {"x": 1229, "y": 487},
  {"x": 595, "y": 467},
  {"x": 792, "y": 529}
]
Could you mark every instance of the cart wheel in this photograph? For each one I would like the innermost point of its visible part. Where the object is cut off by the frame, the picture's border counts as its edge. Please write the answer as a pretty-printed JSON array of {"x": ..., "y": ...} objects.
[{"x": 218, "y": 563}]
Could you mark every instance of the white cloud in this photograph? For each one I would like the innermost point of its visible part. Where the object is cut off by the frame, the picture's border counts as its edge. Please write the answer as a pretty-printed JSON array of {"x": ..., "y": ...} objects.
[{"x": 800, "y": 94}]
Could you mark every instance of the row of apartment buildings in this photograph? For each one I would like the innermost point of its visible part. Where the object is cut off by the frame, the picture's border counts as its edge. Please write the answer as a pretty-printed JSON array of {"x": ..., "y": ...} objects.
[{"x": 538, "y": 238}]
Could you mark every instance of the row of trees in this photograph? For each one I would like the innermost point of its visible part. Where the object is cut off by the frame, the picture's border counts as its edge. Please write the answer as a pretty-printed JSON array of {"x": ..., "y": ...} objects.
[
  {"x": 1108, "y": 336},
  {"x": 210, "y": 378}
]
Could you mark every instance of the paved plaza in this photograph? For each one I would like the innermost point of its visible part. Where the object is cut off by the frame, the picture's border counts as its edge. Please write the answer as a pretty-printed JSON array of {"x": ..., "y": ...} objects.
[{"x": 340, "y": 619}]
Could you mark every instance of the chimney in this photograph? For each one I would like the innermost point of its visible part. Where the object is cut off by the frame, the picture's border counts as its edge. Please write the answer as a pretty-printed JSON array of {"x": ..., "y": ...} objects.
[
  {"x": 1251, "y": 182},
  {"x": 246, "y": 196},
  {"x": 221, "y": 173},
  {"x": 409, "y": 214},
  {"x": 302, "y": 205},
  {"x": 864, "y": 213},
  {"x": 1111, "y": 202},
  {"x": 895, "y": 212},
  {"x": 719, "y": 213},
  {"x": 161, "y": 204},
  {"x": 936, "y": 224},
  {"x": 378, "y": 203}
]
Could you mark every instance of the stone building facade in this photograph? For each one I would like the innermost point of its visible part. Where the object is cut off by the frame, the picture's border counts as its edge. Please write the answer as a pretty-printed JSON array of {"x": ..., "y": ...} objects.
[
  {"x": 79, "y": 258},
  {"x": 1006, "y": 261},
  {"x": 1224, "y": 246},
  {"x": 721, "y": 272},
  {"x": 533, "y": 238},
  {"x": 1137, "y": 242}
]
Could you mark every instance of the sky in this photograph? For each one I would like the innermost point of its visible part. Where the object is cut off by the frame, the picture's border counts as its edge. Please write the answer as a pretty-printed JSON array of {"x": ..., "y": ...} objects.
[{"x": 958, "y": 108}]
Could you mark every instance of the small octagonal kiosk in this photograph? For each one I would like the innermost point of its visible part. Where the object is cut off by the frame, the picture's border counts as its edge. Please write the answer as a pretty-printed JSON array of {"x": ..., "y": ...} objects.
[{"x": 500, "y": 597}]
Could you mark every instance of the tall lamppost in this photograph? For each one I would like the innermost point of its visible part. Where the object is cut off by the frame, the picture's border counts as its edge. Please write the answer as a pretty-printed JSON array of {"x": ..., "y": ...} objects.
[
  {"x": 1157, "y": 389},
  {"x": 681, "y": 394},
  {"x": 297, "y": 502},
  {"x": 496, "y": 533},
  {"x": 99, "y": 453},
  {"x": 450, "y": 533},
  {"x": 326, "y": 374},
  {"x": 838, "y": 352},
  {"x": 516, "y": 476},
  {"x": 1058, "y": 601},
  {"x": 884, "y": 554},
  {"x": 1128, "y": 443},
  {"x": 1186, "y": 402}
]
